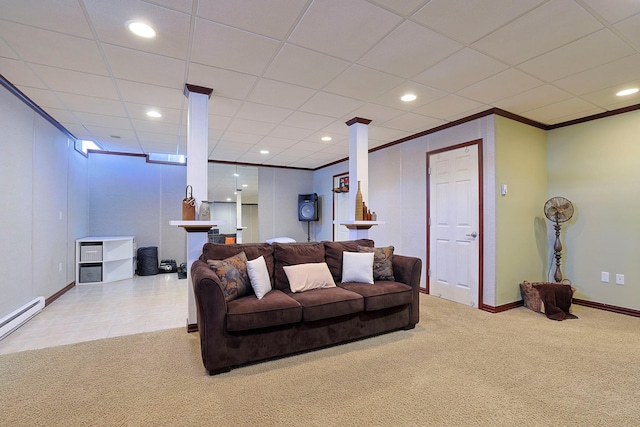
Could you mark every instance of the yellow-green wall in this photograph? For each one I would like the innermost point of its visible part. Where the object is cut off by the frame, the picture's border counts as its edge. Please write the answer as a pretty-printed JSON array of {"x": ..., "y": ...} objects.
[
  {"x": 521, "y": 236},
  {"x": 596, "y": 165}
]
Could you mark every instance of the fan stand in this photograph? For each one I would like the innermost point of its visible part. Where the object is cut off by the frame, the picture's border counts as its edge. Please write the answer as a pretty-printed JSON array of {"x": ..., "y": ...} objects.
[{"x": 557, "y": 248}]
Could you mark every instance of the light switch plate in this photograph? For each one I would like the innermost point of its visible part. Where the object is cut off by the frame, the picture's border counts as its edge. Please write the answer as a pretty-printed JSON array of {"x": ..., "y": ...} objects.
[
  {"x": 619, "y": 279},
  {"x": 604, "y": 276}
]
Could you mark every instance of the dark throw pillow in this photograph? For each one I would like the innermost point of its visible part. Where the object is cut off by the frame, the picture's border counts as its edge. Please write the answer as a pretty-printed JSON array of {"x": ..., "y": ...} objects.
[
  {"x": 382, "y": 262},
  {"x": 233, "y": 275}
]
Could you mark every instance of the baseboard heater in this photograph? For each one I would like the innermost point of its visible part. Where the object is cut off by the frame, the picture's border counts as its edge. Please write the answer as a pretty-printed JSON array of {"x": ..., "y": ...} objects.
[{"x": 16, "y": 318}]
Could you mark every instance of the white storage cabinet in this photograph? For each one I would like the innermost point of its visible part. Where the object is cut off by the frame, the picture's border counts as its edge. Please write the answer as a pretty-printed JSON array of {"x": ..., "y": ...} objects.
[{"x": 105, "y": 259}]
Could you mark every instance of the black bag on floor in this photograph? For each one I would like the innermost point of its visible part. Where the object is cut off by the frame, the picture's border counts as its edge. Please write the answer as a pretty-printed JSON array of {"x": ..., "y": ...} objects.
[{"x": 147, "y": 261}]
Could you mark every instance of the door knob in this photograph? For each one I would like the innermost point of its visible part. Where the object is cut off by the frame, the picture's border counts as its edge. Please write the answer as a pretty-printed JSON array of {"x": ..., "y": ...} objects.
[{"x": 473, "y": 235}]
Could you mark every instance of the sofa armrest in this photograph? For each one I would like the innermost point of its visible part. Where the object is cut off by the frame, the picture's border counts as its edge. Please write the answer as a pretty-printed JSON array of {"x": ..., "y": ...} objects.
[
  {"x": 212, "y": 316},
  {"x": 408, "y": 270}
]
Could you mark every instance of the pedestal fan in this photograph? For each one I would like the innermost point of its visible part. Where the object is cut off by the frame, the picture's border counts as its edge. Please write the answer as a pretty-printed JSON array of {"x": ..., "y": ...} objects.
[{"x": 558, "y": 210}]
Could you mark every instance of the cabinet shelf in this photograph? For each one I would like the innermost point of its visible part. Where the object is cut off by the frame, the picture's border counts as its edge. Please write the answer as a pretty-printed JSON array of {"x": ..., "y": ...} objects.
[{"x": 104, "y": 259}]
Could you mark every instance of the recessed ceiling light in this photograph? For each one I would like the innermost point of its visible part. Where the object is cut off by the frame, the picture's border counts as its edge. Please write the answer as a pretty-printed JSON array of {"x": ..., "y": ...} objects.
[
  {"x": 264, "y": 151},
  {"x": 326, "y": 138},
  {"x": 245, "y": 185},
  {"x": 408, "y": 97},
  {"x": 236, "y": 174},
  {"x": 141, "y": 29},
  {"x": 228, "y": 199},
  {"x": 154, "y": 114},
  {"x": 627, "y": 92}
]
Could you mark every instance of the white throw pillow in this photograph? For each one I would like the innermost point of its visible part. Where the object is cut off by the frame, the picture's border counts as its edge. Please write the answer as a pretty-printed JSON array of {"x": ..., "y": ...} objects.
[
  {"x": 357, "y": 267},
  {"x": 304, "y": 277},
  {"x": 280, "y": 240},
  {"x": 259, "y": 276}
]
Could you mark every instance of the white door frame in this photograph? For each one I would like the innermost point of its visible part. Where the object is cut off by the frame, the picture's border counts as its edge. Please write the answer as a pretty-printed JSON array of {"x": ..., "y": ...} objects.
[{"x": 477, "y": 142}]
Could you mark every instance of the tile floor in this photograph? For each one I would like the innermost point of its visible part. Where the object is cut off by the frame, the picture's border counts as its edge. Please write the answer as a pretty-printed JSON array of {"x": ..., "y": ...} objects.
[{"x": 90, "y": 312}]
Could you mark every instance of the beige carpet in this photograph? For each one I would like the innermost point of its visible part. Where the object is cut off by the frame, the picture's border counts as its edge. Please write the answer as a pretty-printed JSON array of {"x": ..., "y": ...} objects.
[{"x": 459, "y": 367}]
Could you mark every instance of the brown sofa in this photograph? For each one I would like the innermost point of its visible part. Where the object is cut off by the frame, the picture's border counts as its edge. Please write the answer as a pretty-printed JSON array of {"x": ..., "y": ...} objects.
[{"x": 247, "y": 329}]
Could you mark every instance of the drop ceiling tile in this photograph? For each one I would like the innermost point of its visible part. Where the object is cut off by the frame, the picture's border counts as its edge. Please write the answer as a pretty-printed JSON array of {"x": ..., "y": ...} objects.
[
  {"x": 69, "y": 81},
  {"x": 468, "y": 21},
  {"x": 64, "y": 16},
  {"x": 109, "y": 20},
  {"x": 387, "y": 134},
  {"x": 270, "y": 141},
  {"x": 606, "y": 98},
  {"x": 180, "y": 5},
  {"x": 630, "y": 28},
  {"x": 575, "y": 116},
  {"x": 43, "y": 98},
  {"x": 588, "y": 52},
  {"x": 157, "y": 96},
  {"x": 363, "y": 83},
  {"x": 343, "y": 28},
  {"x": 272, "y": 19},
  {"x": 562, "y": 22},
  {"x": 425, "y": 94},
  {"x": 129, "y": 64},
  {"x": 6, "y": 51},
  {"x": 290, "y": 132},
  {"x": 304, "y": 120},
  {"x": 502, "y": 85},
  {"x": 413, "y": 122},
  {"x": 339, "y": 126},
  {"x": 376, "y": 113},
  {"x": 89, "y": 104},
  {"x": 61, "y": 115},
  {"x": 628, "y": 103},
  {"x": 229, "y": 84},
  {"x": 218, "y": 123},
  {"x": 316, "y": 138},
  {"x": 139, "y": 112},
  {"x": 450, "y": 105},
  {"x": 77, "y": 130},
  {"x": 155, "y": 137},
  {"x": 225, "y": 155},
  {"x": 614, "y": 11},
  {"x": 328, "y": 104},
  {"x": 280, "y": 94},
  {"x": 158, "y": 147},
  {"x": 221, "y": 106},
  {"x": 402, "y": 7},
  {"x": 54, "y": 49},
  {"x": 460, "y": 70},
  {"x": 604, "y": 76},
  {"x": 304, "y": 67},
  {"x": 263, "y": 113},
  {"x": 306, "y": 162},
  {"x": 232, "y": 49},
  {"x": 250, "y": 126},
  {"x": 157, "y": 126},
  {"x": 397, "y": 55},
  {"x": 231, "y": 136},
  {"x": 549, "y": 113},
  {"x": 90, "y": 119},
  {"x": 532, "y": 99},
  {"x": 19, "y": 73},
  {"x": 120, "y": 146}
]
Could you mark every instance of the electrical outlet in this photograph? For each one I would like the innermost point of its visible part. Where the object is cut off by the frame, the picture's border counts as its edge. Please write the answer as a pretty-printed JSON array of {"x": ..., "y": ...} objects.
[
  {"x": 619, "y": 279},
  {"x": 604, "y": 276}
]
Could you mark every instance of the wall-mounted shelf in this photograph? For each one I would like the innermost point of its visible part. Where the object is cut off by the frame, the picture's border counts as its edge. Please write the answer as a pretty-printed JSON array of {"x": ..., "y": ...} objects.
[
  {"x": 104, "y": 259},
  {"x": 359, "y": 225}
]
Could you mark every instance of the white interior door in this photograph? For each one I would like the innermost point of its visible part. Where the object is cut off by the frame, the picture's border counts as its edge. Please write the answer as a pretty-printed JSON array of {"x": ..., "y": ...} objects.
[{"x": 454, "y": 244}]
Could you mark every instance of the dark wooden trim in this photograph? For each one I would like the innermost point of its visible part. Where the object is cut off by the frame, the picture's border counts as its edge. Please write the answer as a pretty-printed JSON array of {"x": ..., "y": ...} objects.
[
  {"x": 607, "y": 307},
  {"x": 117, "y": 153},
  {"x": 188, "y": 88},
  {"x": 35, "y": 107},
  {"x": 477, "y": 142},
  {"x": 358, "y": 120},
  {"x": 496, "y": 111},
  {"x": 501, "y": 308},
  {"x": 58, "y": 294},
  {"x": 595, "y": 117},
  {"x": 227, "y": 162},
  {"x": 192, "y": 327}
]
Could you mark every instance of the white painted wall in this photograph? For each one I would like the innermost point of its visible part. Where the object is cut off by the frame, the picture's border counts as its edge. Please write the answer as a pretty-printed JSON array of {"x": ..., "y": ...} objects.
[{"x": 43, "y": 192}]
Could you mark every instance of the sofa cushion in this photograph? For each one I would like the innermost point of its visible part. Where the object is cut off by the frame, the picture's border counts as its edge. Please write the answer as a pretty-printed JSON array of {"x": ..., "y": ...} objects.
[
  {"x": 382, "y": 262},
  {"x": 381, "y": 294},
  {"x": 320, "y": 304},
  {"x": 292, "y": 254},
  {"x": 333, "y": 254},
  {"x": 275, "y": 308},
  {"x": 233, "y": 275},
  {"x": 357, "y": 267},
  {"x": 252, "y": 250},
  {"x": 304, "y": 277}
]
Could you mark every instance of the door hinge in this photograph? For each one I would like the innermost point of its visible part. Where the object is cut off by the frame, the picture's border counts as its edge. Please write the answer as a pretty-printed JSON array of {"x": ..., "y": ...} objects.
[{"x": 429, "y": 171}]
